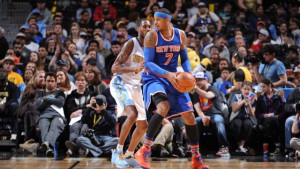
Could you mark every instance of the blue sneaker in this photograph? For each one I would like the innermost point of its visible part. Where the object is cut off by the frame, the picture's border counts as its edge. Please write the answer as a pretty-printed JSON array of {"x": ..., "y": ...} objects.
[
  {"x": 120, "y": 162},
  {"x": 132, "y": 162},
  {"x": 115, "y": 154}
]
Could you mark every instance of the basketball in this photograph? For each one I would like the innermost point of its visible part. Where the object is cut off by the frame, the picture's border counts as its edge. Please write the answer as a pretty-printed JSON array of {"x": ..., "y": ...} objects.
[{"x": 185, "y": 81}]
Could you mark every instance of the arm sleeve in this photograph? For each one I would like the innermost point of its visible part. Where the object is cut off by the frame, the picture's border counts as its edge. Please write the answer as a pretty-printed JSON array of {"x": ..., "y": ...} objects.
[
  {"x": 186, "y": 65},
  {"x": 149, "y": 64}
]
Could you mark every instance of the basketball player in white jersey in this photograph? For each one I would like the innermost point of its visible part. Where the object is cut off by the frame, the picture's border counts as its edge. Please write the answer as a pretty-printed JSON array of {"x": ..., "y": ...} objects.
[{"x": 125, "y": 87}]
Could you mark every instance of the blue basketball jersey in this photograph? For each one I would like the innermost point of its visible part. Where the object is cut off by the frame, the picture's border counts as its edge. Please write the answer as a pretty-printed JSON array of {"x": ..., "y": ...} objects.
[{"x": 167, "y": 52}]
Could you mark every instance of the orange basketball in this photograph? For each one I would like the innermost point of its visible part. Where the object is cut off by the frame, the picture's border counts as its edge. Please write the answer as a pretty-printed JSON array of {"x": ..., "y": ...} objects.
[{"x": 185, "y": 81}]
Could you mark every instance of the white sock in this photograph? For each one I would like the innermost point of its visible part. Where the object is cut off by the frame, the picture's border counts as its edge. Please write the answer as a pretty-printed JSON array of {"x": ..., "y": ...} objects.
[
  {"x": 129, "y": 153},
  {"x": 120, "y": 147}
]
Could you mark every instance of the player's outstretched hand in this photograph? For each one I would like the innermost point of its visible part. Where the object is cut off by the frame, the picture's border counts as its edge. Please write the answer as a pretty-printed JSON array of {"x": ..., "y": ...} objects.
[{"x": 171, "y": 76}]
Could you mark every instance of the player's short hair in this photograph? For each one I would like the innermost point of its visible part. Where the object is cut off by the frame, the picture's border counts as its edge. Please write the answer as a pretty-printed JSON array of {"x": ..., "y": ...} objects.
[{"x": 139, "y": 22}]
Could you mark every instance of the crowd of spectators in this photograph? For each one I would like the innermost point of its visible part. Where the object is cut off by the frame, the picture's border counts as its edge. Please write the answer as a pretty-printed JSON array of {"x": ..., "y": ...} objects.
[{"x": 244, "y": 56}]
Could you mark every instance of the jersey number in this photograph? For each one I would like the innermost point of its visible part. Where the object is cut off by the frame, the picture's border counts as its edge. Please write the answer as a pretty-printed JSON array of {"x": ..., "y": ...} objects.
[{"x": 169, "y": 56}]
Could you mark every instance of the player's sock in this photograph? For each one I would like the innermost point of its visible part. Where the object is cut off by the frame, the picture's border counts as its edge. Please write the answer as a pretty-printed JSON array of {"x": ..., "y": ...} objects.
[
  {"x": 154, "y": 124},
  {"x": 192, "y": 133},
  {"x": 120, "y": 148},
  {"x": 129, "y": 153}
]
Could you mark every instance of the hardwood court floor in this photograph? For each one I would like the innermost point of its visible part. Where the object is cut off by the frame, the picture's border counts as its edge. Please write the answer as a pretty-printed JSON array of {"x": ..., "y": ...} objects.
[{"x": 171, "y": 163}]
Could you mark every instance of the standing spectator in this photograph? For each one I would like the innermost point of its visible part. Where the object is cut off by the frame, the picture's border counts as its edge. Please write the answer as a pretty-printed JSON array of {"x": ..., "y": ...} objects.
[
  {"x": 272, "y": 69},
  {"x": 103, "y": 11},
  {"x": 3, "y": 44},
  {"x": 52, "y": 120}
]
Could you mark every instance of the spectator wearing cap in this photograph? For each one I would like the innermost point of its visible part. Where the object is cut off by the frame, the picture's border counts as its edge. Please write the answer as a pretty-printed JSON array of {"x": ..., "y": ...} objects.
[
  {"x": 207, "y": 102},
  {"x": 272, "y": 68},
  {"x": 103, "y": 11},
  {"x": 294, "y": 27},
  {"x": 10, "y": 94},
  {"x": 101, "y": 122},
  {"x": 201, "y": 20},
  {"x": 263, "y": 35},
  {"x": 191, "y": 38},
  {"x": 283, "y": 37},
  {"x": 3, "y": 43},
  {"x": 45, "y": 14},
  {"x": 17, "y": 79}
]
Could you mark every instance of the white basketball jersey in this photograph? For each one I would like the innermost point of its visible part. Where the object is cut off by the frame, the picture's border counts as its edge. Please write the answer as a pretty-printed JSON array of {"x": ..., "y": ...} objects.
[{"x": 135, "y": 59}]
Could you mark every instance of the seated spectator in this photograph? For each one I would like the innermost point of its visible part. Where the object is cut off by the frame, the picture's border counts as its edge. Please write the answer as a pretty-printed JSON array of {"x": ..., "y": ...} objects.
[
  {"x": 207, "y": 103},
  {"x": 17, "y": 79},
  {"x": 28, "y": 74},
  {"x": 9, "y": 94},
  {"x": 84, "y": 6},
  {"x": 63, "y": 82},
  {"x": 220, "y": 43},
  {"x": 74, "y": 107},
  {"x": 108, "y": 32},
  {"x": 26, "y": 113},
  {"x": 295, "y": 141},
  {"x": 94, "y": 80},
  {"x": 242, "y": 117},
  {"x": 290, "y": 109},
  {"x": 98, "y": 139},
  {"x": 270, "y": 114},
  {"x": 52, "y": 120},
  {"x": 104, "y": 11},
  {"x": 162, "y": 144}
]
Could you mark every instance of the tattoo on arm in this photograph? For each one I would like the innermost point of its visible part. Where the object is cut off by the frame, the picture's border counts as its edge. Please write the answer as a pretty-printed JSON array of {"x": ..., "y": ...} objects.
[
  {"x": 150, "y": 39},
  {"x": 183, "y": 40}
]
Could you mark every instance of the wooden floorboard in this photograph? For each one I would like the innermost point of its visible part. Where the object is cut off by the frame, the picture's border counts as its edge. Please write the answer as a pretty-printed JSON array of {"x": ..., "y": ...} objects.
[{"x": 99, "y": 163}]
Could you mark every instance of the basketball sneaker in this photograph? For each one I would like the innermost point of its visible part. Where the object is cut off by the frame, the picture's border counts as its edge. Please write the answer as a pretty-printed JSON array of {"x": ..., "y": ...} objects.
[
  {"x": 118, "y": 160},
  {"x": 132, "y": 162},
  {"x": 197, "y": 162},
  {"x": 142, "y": 156},
  {"x": 223, "y": 152}
]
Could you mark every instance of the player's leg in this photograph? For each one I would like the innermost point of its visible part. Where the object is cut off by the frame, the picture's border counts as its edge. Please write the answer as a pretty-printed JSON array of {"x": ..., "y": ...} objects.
[
  {"x": 160, "y": 100},
  {"x": 192, "y": 134}
]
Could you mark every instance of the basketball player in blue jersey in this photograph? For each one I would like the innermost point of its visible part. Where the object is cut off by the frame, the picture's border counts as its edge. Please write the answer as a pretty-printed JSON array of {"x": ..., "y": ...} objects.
[
  {"x": 162, "y": 46},
  {"x": 125, "y": 87}
]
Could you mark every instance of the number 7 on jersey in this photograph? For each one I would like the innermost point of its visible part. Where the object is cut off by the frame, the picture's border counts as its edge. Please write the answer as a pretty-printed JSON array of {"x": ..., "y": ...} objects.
[{"x": 169, "y": 56}]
